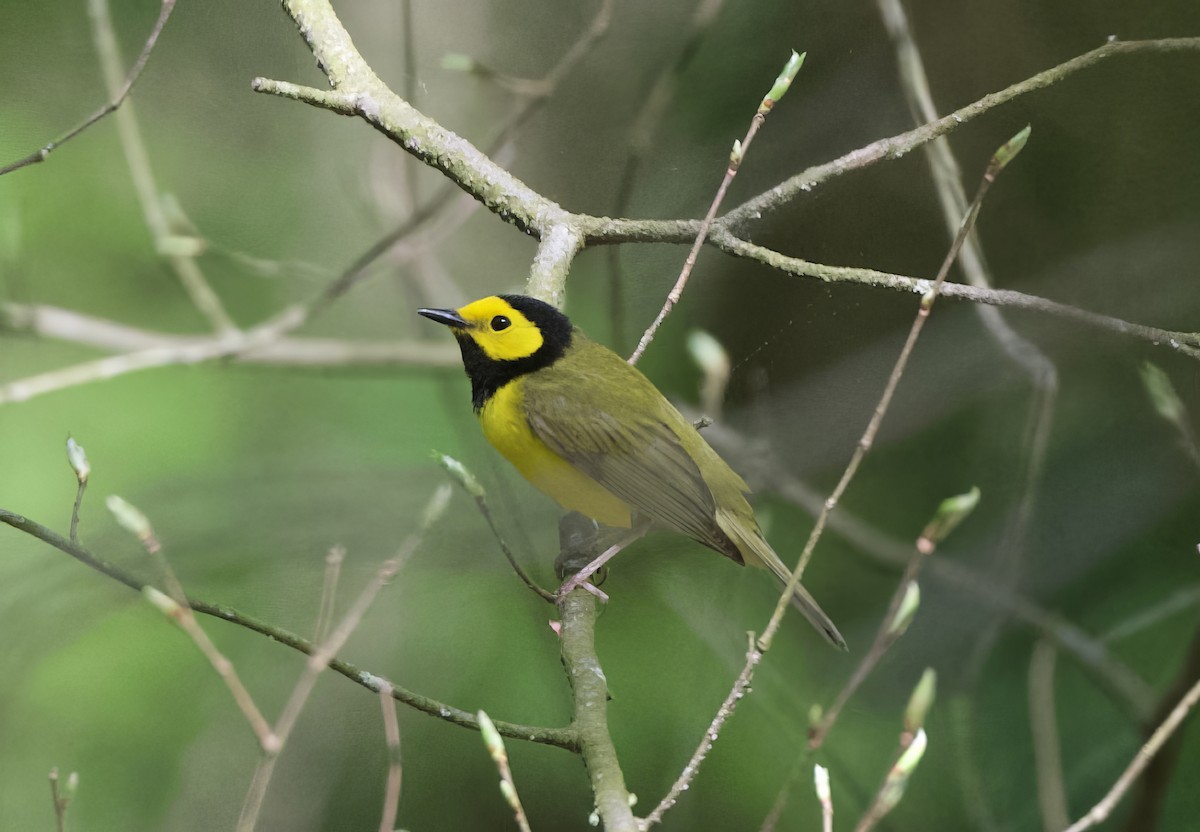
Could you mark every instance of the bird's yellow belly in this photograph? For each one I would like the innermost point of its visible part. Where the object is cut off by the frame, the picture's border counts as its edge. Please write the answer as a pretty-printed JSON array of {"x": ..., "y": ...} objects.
[{"x": 503, "y": 420}]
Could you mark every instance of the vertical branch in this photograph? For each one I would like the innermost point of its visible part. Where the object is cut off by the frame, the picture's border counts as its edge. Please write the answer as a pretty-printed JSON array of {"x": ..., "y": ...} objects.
[
  {"x": 644, "y": 127},
  {"x": 1043, "y": 725},
  {"x": 183, "y": 263},
  {"x": 777, "y": 91},
  {"x": 391, "y": 733},
  {"x": 578, "y": 645}
]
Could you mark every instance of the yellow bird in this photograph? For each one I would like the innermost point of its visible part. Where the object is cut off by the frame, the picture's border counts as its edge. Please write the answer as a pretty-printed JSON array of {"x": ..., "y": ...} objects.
[{"x": 596, "y": 435}]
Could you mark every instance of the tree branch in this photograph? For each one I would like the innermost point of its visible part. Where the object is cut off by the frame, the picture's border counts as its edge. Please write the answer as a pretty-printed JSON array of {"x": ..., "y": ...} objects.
[{"x": 565, "y": 738}]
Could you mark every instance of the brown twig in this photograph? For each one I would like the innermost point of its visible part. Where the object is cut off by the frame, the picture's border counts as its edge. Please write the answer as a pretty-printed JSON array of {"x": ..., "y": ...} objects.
[
  {"x": 333, "y": 570},
  {"x": 122, "y": 93},
  {"x": 391, "y": 733},
  {"x": 735, "y": 162},
  {"x": 684, "y": 780},
  {"x": 174, "y": 605},
  {"x": 1002, "y": 157},
  {"x": 320, "y": 658},
  {"x": 1141, "y": 760},
  {"x": 1148, "y": 806}
]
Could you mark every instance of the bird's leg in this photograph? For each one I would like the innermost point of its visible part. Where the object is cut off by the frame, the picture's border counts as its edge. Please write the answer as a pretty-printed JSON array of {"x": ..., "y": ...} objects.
[{"x": 580, "y": 578}]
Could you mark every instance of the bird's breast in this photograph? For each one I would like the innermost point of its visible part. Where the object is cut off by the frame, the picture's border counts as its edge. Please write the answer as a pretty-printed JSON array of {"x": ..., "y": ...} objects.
[{"x": 505, "y": 425}]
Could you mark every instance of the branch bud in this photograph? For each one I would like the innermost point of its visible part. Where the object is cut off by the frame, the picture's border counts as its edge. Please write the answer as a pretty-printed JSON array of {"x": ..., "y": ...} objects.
[
  {"x": 921, "y": 701},
  {"x": 907, "y": 610},
  {"x": 77, "y": 457}
]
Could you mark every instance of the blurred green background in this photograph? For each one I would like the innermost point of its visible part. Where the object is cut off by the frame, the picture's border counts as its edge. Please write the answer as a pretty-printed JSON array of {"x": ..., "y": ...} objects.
[{"x": 251, "y": 474}]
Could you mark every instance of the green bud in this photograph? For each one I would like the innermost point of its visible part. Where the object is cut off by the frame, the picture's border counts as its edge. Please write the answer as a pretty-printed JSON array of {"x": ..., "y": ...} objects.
[
  {"x": 951, "y": 512},
  {"x": 77, "y": 457},
  {"x": 1162, "y": 393},
  {"x": 909, "y": 605},
  {"x": 921, "y": 701},
  {"x": 897, "y": 779},
  {"x": 491, "y": 737},
  {"x": 1009, "y": 150},
  {"x": 460, "y": 474},
  {"x": 130, "y": 519},
  {"x": 783, "y": 82}
]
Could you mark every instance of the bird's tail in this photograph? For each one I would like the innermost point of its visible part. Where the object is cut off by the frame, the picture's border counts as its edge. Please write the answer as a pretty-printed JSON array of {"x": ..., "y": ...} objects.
[{"x": 757, "y": 552}]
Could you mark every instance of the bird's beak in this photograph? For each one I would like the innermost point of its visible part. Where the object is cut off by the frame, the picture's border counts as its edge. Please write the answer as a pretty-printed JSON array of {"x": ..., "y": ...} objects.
[{"x": 449, "y": 317}]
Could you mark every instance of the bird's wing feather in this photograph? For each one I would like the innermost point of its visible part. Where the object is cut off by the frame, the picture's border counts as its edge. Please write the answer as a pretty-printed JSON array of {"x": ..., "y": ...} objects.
[{"x": 611, "y": 434}]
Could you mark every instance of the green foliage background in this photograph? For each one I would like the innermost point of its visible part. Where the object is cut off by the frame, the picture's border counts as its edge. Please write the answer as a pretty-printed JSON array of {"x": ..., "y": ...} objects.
[{"x": 251, "y": 474}]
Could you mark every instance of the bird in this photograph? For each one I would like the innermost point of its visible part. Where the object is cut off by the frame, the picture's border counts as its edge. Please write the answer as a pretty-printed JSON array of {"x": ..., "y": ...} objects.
[{"x": 593, "y": 433}]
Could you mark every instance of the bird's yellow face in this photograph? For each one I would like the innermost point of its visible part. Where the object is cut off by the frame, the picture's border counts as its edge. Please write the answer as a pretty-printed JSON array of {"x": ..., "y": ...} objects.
[
  {"x": 503, "y": 338},
  {"x": 500, "y": 330}
]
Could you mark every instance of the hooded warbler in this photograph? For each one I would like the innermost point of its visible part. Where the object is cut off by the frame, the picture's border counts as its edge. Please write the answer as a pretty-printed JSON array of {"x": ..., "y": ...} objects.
[{"x": 595, "y": 434}]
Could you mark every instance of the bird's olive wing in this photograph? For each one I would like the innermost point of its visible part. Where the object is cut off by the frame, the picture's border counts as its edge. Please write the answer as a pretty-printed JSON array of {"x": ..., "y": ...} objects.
[{"x": 622, "y": 438}]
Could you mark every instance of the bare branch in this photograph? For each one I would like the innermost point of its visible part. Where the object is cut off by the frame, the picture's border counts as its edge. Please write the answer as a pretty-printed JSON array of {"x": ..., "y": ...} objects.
[
  {"x": 731, "y": 169},
  {"x": 1144, "y": 756},
  {"x": 131, "y": 77},
  {"x": 188, "y": 271},
  {"x": 558, "y": 737},
  {"x": 899, "y": 146}
]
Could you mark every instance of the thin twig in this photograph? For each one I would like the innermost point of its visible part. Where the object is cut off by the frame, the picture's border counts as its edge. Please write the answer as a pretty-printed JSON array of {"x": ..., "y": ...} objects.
[
  {"x": 912, "y": 746},
  {"x": 1127, "y": 690},
  {"x": 1043, "y": 727},
  {"x": 185, "y": 267},
  {"x": 1145, "y": 754},
  {"x": 174, "y": 605},
  {"x": 333, "y": 570},
  {"x": 684, "y": 780},
  {"x": 391, "y": 733},
  {"x": 320, "y": 658},
  {"x": 62, "y": 801},
  {"x": 122, "y": 92},
  {"x": 1043, "y": 375},
  {"x": 1152, "y": 795},
  {"x": 754, "y": 656},
  {"x": 885, "y": 637},
  {"x": 642, "y": 131},
  {"x": 508, "y": 788},
  {"x": 77, "y": 458},
  {"x": 469, "y": 483},
  {"x": 565, "y": 738},
  {"x": 731, "y": 169},
  {"x": 1002, "y": 157},
  {"x": 901, "y": 145}
]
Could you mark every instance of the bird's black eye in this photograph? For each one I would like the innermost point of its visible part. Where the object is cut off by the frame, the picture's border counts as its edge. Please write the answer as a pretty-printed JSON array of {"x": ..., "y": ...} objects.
[{"x": 500, "y": 322}]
